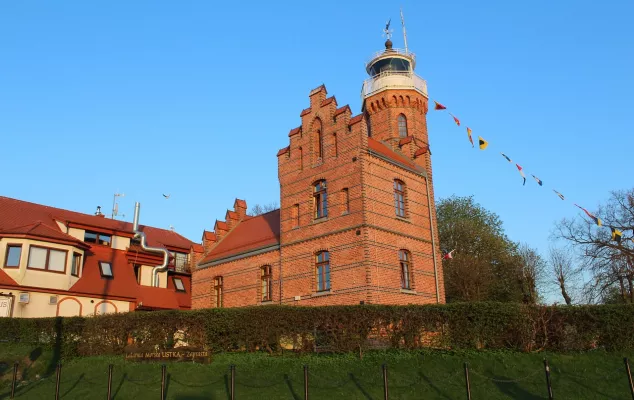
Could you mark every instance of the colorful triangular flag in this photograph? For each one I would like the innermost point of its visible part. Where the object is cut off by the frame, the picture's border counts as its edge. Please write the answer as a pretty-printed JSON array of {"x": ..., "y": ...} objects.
[
  {"x": 539, "y": 181},
  {"x": 561, "y": 196},
  {"x": 595, "y": 219},
  {"x": 617, "y": 235},
  {"x": 456, "y": 120},
  {"x": 521, "y": 173},
  {"x": 449, "y": 255},
  {"x": 439, "y": 106},
  {"x": 470, "y": 138},
  {"x": 507, "y": 157},
  {"x": 482, "y": 143}
]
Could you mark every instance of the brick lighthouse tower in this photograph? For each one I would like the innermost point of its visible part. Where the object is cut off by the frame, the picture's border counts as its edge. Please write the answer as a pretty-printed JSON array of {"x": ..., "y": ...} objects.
[{"x": 357, "y": 221}]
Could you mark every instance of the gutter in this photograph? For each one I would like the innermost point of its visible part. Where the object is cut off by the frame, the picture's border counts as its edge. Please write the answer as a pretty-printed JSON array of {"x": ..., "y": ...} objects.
[{"x": 140, "y": 235}]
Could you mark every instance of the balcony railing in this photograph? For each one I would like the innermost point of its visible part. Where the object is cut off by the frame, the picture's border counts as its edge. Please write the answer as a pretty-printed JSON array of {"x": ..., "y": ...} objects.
[{"x": 394, "y": 80}]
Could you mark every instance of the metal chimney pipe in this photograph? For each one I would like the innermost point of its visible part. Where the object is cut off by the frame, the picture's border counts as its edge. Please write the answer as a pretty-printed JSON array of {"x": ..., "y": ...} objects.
[{"x": 140, "y": 235}]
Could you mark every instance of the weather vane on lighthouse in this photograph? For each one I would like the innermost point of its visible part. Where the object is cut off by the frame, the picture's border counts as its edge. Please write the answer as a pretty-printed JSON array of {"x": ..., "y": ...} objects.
[{"x": 387, "y": 32}]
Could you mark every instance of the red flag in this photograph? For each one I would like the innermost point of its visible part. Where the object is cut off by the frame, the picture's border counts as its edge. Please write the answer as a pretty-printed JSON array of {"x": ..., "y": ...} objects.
[
  {"x": 449, "y": 255},
  {"x": 439, "y": 106},
  {"x": 456, "y": 120},
  {"x": 470, "y": 138},
  {"x": 596, "y": 220},
  {"x": 519, "y": 168}
]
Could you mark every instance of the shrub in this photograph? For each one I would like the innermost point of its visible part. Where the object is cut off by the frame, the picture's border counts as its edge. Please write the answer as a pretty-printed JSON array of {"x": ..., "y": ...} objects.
[{"x": 337, "y": 328}]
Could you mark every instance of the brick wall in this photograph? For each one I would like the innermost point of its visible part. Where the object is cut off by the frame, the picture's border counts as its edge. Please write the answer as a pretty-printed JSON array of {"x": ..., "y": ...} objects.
[{"x": 361, "y": 232}]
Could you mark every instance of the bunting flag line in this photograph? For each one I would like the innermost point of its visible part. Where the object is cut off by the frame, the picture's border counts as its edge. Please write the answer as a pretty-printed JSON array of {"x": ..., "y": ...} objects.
[
  {"x": 617, "y": 235},
  {"x": 482, "y": 143},
  {"x": 561, "y": 196},
  {"x": 539, "y": 181},
  {"x": 595, "y": 219},
  {"x": 470, "y": 138},
  {"x": 521, "y": 173},
  {"x": 456, "y": 120},
  {"x": 439, "y": 106},
  {"x": 507, "y": 157},
  {"x": 449, "y": 255}
]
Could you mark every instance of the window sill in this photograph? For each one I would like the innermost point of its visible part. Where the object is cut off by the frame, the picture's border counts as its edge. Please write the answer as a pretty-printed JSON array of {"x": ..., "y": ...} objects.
[
  {"x": 322, "y": 293},
  {"x": 403, "y": 219},
  {"x": 320, "y": 220},
  {"x": 408, "y": 291},
  {"x": 345, "y": 213},
  {"x": 266, "y": 302}
]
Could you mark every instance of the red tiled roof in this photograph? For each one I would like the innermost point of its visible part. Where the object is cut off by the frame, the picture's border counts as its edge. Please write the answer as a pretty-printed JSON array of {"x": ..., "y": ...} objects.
[
  {"x": 405, "y": 140},
  {"x": 295, "y": 131},
  {"x": 222, "y": 225},
  {"x": 198, "y": 248},
  {"x": 6, "y": 279},
  {"x": 123, "y": 283},
  {"x": 356, "y": 119},
  {"x": 385, "y": 151},
  {"x": 184, "y": 299},
  {"x": 255, "y": 232},
  {"x": 154, "y": 297},
  {"x": 328, "y": 101},
  {"x": 304, "y": 112},
  {"x": 421, "y": 151},
  {"x": 38, "y": 229},
  {"x": 209, "y": 236},
  {"x": 231, "y": 214},
  {"x": 14, "y": 213},
  {"x": 283, "y": 151},
  {"x": 342, "y": 109}
]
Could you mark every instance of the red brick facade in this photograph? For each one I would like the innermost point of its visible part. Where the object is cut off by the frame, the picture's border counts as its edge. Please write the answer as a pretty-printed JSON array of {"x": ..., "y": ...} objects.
[{"x": 359, "y": 158}]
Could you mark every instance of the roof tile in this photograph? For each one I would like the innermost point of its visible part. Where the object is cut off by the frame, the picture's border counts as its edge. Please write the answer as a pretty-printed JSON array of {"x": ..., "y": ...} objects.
[{"x": 388, "y": 153}]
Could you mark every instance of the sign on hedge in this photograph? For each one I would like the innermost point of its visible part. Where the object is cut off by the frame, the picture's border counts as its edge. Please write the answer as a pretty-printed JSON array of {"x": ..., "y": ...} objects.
[{"x": 177, "y": 354}]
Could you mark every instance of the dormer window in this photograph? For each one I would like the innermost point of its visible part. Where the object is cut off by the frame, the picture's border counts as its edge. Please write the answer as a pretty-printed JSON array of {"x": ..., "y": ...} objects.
[
  {"x": 105, "y": 268},
  {"x": 98, "y": 238}
]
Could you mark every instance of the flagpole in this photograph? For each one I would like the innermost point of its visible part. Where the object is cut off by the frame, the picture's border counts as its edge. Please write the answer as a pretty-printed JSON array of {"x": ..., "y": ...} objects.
[{"x": 404, "y": 32}]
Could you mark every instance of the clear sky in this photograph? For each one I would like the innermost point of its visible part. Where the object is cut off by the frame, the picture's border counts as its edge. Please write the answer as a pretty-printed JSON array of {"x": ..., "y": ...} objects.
[{"x": 195, "y": 98}]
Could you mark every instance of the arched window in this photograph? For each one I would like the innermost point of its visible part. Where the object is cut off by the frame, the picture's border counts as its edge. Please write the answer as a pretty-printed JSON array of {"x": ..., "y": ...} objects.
[
  {"x": 320, "y": 199},
  {"x": 218, "y": 292},
  {"x": 399, "y": 198},
  {"x": 405, "y": 259},
  {"x": 266, "y": 283},
  {"x": 402, "y": 126},
  {"x": 322, "y": 264}
]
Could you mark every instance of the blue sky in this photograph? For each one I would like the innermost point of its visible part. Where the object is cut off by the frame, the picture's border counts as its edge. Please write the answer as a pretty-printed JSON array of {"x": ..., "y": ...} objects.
[{"x": 195, "y": 98}]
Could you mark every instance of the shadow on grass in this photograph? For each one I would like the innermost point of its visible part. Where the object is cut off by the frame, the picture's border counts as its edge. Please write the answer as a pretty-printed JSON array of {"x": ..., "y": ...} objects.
[
  {"x": 513, "y": 389},
  {"x": 356, "y": 382},
  {"x": 289, "y": 384},
  {"x": 72, "y": 387},
  {"x": 435, "y": 388},
  {"x": 116, "y": 391}
]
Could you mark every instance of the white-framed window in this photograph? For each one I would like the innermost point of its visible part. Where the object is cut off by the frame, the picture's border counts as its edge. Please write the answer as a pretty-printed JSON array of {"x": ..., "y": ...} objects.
[
  {"x": 179, "y": 285},
  {"x": 47, "y": 259}
]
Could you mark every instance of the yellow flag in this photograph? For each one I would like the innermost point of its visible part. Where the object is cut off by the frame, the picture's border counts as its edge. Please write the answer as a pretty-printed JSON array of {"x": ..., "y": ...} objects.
[{"x": 483, "y": 143}]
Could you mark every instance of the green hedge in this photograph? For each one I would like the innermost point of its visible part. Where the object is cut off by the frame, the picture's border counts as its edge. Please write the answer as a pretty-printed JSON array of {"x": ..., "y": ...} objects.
[{"x": 337, "y": 328}]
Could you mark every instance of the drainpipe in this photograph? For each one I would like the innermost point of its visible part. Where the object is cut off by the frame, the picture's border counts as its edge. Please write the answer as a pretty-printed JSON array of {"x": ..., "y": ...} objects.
[
  {"x": 433, "y": 240},
  {"x": 140, "y": 235}
]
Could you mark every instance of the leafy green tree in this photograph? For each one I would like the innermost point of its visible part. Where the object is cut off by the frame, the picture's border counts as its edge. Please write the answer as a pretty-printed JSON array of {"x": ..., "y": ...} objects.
[{"x": 486, "y": 265}]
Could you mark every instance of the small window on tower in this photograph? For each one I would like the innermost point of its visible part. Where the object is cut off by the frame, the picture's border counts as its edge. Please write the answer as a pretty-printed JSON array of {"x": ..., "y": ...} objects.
[{"x": 402, "y": 126}]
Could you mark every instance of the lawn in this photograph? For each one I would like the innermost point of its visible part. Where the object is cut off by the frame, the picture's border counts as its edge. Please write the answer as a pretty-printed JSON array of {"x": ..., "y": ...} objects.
[{"x": 411, "y": 375}]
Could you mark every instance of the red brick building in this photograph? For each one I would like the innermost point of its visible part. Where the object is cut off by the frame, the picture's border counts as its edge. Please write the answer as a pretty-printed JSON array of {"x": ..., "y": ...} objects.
[{"x": 357, "y": 220}]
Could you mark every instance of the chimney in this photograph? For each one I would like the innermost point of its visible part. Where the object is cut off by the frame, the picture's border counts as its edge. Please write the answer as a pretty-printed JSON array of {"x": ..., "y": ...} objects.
[
  {"x": 221, "y": 229},
  {"x": 232, "y": 219},
  {"x": 209, "y": 241}
]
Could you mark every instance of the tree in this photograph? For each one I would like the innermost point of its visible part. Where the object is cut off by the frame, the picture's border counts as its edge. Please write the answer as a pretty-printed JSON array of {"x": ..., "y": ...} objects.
[
  {"x": 259, "y": 209},
  {"x": 609, "y": 263},
  {"x": 532, "y": 272},
  {"x": 486, "y": 264},
  {"x": 561, "y": 262}
]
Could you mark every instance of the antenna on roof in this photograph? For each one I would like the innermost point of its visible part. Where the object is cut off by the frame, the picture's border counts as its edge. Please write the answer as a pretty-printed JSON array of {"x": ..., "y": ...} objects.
[
  {"x": 115, "y": 205},
  {"x": 404, "y": 32}
]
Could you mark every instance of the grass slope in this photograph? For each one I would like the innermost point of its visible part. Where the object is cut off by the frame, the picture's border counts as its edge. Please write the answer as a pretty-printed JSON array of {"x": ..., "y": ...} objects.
[{"x": 412, "y": 375}]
